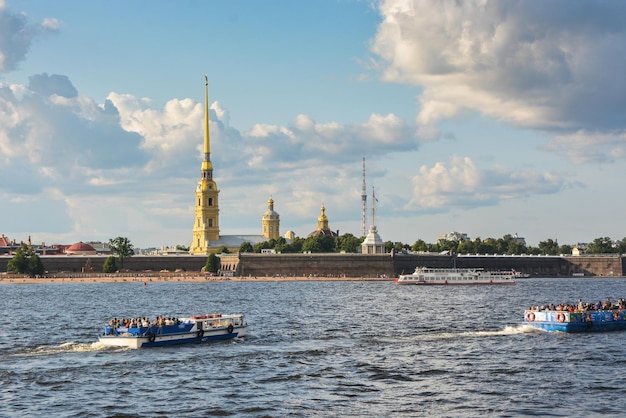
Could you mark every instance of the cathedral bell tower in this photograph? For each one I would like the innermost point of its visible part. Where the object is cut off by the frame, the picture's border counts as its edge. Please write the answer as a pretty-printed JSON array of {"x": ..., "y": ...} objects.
[
  {"x": 271, "y": 222},
  {"x": 206, "y": 225}
]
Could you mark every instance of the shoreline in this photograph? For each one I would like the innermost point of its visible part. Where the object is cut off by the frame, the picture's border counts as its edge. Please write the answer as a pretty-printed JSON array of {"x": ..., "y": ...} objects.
[{"x": 182, "y": 279}]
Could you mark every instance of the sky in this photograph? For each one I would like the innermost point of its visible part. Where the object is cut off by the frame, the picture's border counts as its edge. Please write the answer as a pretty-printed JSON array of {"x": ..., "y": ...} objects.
[{"x": 483, "y": 117}]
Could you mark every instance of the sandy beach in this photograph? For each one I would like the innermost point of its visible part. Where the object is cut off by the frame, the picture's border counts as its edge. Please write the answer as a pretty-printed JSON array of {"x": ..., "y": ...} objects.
[{"x": 188, "y": 278}]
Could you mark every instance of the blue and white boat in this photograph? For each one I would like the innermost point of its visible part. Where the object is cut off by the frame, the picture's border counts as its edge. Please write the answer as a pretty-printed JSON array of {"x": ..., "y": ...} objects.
[
  {"x": 577, "y": 321},
  {"x": 201, "y": 328}
]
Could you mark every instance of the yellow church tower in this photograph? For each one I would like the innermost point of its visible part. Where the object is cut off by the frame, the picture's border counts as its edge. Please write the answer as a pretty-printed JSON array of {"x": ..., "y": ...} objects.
[
  {"x": 206, "y": 225},
  {"x": 271, "y": 221}
]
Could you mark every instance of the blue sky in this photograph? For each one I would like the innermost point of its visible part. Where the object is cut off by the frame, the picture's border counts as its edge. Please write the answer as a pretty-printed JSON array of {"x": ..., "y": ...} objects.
[{"x": 483, "y": 117}]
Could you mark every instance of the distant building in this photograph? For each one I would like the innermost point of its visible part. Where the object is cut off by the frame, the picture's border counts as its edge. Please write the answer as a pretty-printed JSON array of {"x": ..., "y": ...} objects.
[
  {"x": 7, "y": 246},
  {"x": 519, "y": 240},
  {"x": 453, "y": 236},
  {"x": 271, "y": 222},
  {"x": 580, "y": 248},
  {"x": 80, "y": 248},
  {"x": 322, "y": 226}
]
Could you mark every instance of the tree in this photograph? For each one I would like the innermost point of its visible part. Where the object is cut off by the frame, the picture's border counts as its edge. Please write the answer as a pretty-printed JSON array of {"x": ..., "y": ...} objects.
[
  {"x": 388, "y": 246},
  {"x": 565, "y": 249},
  {"x": 602, "y": 245},
  {"x": 245, "y": 247},
  {"x": 319, "y": 244},
  {"x": 122, "y": 247},
  {"x": 549, "y": 247},
  {"x": 109, "y": 265},
  {"x": 348, "y": 243},
  {"x": 466, "y": 247},
  {"x": 223, "y": 250},
  {"x": 26, "y": 261},
  {"x": 265, "y": 245},
  {"x": 19, "y": 262},
  {"x": 35, "y": 266},
  {"x": 419, "y": 245},
  {"x": 294, "y": 247},
  {"x": 447, "y": 245},
  {"x": 181, "y": 247},
  {"x": 212, "y": 264}
]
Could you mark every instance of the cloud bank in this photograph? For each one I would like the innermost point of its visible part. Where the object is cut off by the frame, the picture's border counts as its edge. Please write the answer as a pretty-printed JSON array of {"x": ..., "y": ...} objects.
[{"x": 556, "y": 67}]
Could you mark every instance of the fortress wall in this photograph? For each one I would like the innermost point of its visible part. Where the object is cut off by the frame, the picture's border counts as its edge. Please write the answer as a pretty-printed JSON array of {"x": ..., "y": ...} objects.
[
  {"x": 326, "y": 265},
  {"x": 349, "y": 265},
  {"x": 54, "y": 264},
  {"x": 596, "y": 265}
]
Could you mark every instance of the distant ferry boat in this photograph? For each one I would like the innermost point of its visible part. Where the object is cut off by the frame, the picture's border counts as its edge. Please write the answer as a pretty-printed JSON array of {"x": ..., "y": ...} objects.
[
  {"x": 456, "y": 276},
  {"x": 137, "y": 333},
  {"x": 583, "y": 318}
]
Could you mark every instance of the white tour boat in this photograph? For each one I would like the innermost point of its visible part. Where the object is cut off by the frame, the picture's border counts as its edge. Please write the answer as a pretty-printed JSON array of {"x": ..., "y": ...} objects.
[
  {"x": 140, "y": 332},
  {"x": 427, "y": 275}
]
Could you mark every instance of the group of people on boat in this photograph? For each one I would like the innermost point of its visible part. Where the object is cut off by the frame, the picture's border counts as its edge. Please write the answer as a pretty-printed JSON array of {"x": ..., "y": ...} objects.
[
  {"x": 581, "y": 306},
  {"x": 142, "y": 322}
]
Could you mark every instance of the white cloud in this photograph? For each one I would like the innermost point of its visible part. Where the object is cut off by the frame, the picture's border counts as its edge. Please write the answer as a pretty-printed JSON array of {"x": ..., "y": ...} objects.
[
  {"x": 552, "y": 66},
  {"x": 50, "y": 24},
  {"x": 589, "y": 147},
  {"x": 461, "y": 184},
  {"x": 17, "y": 35},
  {"x": 15, "y": 38}
]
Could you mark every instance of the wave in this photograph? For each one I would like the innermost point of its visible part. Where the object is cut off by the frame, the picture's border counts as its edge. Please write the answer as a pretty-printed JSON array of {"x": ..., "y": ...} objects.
[
  {"x": 507, "y": 330},
  {"x": 67, "y": 347}
]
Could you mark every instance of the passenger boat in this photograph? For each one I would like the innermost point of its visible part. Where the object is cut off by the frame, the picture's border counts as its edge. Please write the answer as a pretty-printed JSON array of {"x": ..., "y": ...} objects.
[
  {"x": 454, "y": 276},
  {"x": 141, "y": 333},
  {"x": 577, "y": 321}
]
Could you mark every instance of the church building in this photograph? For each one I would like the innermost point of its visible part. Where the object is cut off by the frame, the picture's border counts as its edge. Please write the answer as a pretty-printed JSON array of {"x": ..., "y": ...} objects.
[
  {"x": 322, "y": 226},
  {"x": 206, "y": 228}
]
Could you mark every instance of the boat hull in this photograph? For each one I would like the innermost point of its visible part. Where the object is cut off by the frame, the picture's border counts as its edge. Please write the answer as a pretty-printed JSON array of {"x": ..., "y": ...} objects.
[
  {"x": 194, "y": 329},
  {"x": 450, "y": 282},
  {"x": 589, "y": 321},
  {"x": 139, "y": 341}
]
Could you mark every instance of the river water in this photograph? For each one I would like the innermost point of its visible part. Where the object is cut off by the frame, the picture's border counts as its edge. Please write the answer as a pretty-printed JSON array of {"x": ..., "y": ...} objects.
[{"x": 344, "y": 349}]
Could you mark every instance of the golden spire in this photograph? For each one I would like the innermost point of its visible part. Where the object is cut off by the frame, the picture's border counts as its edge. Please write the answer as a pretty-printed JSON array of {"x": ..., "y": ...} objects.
[
  {"x": 207, "y": 167},
  {"x": 207, "y": 143}
]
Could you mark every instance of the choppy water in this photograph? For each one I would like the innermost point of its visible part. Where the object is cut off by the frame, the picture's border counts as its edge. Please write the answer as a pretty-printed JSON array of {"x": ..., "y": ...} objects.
[{"x": 348, "y": 349}]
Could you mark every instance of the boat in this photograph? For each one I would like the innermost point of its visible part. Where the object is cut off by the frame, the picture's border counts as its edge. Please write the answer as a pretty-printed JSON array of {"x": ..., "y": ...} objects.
[
  {"x": 138, "y": 333},
  {"x": 576, "y": 321},
  {"x": 456, "y": 276}
]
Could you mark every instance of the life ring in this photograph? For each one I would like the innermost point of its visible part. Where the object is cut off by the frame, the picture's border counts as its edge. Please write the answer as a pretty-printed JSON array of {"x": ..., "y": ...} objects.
[
  {"x": 616, "y": 315},
  {"x": 530, "y": 317},
  {"x": 151, "y": 337},
  {"x": 230, "y": 329},
  {"x": 588, "y": 317},
  {"x": 200, "y": 333},
  {"x": 560, "y": 317}
]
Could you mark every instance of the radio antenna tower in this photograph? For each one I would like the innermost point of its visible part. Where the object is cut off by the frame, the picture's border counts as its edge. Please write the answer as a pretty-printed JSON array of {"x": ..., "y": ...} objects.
[{"x": 364, "y": 205}]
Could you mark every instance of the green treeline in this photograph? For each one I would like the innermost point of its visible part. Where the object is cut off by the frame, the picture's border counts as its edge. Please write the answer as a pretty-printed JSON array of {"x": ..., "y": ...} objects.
[{"x": 507, "y": 245}]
